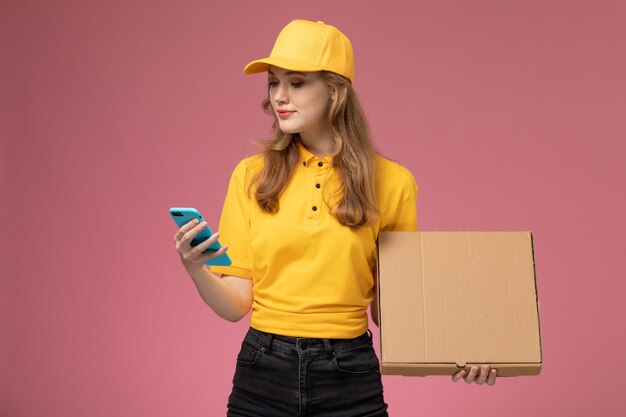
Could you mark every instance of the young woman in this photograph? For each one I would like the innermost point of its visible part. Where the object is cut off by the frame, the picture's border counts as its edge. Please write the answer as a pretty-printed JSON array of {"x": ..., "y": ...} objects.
[{"x": 300, "y": 222}]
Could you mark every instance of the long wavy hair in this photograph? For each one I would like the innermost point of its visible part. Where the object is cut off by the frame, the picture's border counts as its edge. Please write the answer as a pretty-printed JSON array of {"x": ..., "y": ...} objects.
[{"x": 353, "y": 155}]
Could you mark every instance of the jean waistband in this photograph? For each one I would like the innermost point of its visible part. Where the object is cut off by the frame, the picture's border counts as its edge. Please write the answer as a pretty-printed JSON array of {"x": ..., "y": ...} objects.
[{"x": 306, "y": 344}]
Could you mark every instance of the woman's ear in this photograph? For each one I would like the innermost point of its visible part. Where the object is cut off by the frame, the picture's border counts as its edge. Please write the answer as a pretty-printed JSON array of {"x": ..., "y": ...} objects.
[{"x": 334, "y": 94}]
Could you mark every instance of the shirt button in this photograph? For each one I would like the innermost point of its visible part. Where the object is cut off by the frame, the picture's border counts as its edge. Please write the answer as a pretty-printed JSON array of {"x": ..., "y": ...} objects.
[
  {"x": 314, "y": 208},
  {"x": 317, "y": 186},
  {"x": 319, "y": 164}
]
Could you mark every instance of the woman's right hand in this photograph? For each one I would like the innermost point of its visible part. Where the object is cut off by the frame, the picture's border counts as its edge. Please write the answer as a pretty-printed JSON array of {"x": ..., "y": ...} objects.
[{"x": 192, "y": 257}]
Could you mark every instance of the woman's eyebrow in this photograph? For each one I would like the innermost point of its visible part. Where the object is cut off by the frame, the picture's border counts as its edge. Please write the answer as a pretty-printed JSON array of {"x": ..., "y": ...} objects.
[{"x": 289, "y": 73}]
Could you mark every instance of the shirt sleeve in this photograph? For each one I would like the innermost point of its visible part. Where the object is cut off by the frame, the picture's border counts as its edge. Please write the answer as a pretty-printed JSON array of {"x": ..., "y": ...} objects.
[
  {"x": 234, "y": 227},
  {"x": 403, "y": 217}
]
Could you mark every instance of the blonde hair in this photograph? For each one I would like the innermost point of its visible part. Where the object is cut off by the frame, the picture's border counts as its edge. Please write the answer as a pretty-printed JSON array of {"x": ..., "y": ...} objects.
[{"x": 353, "y": 152}]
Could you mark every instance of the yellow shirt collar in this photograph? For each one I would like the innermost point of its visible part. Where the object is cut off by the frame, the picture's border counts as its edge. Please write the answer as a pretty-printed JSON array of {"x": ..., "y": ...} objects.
[{"x": 308, "y": 157}]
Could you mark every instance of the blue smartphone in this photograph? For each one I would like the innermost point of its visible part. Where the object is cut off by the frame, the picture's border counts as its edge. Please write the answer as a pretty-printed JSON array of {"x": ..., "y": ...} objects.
[{"x": 183, "y": 215}]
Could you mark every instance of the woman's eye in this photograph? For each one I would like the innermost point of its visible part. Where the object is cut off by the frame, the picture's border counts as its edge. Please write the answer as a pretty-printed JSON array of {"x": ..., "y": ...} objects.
[{"x": 297, "y": 84}]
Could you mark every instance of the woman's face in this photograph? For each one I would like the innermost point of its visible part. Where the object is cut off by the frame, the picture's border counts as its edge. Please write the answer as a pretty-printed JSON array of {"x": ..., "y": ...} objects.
[{"x": 300, "y": 100}]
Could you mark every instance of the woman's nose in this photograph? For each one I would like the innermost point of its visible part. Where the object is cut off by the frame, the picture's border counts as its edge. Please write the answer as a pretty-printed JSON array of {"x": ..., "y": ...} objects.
[{"x": 280, "y": 95}]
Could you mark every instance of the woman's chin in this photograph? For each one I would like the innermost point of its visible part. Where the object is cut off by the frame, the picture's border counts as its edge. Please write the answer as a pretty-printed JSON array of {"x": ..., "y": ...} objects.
[{"x": 288, "y": 130}]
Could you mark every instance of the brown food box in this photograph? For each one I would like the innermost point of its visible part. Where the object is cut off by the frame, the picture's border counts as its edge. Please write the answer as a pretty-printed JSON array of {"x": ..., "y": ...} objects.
[{"x": 450, "y": 300}]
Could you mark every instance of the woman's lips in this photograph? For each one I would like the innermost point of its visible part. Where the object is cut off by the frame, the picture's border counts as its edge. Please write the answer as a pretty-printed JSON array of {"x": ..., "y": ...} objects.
[{"x": 284, "y": 113}]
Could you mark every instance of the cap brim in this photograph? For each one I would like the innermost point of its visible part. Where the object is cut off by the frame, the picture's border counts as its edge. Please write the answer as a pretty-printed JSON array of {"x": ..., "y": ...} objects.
[{"x": 262, "y": 65}]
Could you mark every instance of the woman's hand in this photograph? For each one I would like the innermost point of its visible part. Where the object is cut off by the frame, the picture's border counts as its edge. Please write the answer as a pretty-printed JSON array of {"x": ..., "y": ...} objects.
[
  {"x": 192, "y": 258},
  {"x": 486, "y": 375}
]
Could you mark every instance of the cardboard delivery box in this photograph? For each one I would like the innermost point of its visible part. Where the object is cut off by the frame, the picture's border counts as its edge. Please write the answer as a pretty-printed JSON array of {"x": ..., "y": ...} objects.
[{"x": 449, "y": 300}]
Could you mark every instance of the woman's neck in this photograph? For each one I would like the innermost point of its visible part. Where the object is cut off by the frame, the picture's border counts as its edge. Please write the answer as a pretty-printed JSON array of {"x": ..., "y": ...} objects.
[{"x": 319, "y": 144}]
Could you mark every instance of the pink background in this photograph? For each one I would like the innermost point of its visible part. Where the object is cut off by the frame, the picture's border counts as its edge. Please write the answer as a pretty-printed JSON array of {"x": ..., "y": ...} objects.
[{"x": 511, "y": 115}]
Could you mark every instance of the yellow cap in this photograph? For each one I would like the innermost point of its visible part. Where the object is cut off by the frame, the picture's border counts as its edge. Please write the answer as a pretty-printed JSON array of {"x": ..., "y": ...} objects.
[{"x": 303, "y": 45}]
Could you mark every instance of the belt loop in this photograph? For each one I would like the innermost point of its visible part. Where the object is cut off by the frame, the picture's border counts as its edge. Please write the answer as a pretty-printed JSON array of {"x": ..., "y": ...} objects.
[
  {"x": 268, "y": 341},
  {"x": 370, "y": 333},
  {"x": 327, "y": 345}
]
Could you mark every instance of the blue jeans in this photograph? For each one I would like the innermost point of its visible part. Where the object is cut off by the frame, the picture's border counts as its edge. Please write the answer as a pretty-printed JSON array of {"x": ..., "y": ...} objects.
[{"x": 288, "y": 376}]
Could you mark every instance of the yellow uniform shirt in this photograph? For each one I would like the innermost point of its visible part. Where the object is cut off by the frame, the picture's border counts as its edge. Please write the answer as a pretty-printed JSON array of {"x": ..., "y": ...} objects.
[{"x": 312, "y": 276}]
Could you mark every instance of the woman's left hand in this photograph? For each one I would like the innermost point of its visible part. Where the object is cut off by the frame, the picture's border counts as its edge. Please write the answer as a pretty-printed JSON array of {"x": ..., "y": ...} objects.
[{"x": 487, "y": 375}]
